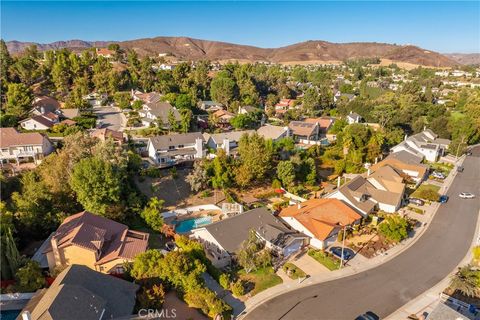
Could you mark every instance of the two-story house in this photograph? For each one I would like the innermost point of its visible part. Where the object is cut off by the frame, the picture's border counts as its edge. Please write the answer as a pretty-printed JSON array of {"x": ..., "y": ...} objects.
[
  {"x": 425, "y": 144},
  {"x": 23, "y": 146},
  {"x": 227, "y": 141},
  {"x": 168, "y": 150},
  {"x": 158, "y": 113},
  {"x": 94, "y": 241}
]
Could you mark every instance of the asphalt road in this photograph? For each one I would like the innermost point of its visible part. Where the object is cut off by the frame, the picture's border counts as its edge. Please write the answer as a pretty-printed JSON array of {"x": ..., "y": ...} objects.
[
  {"x": 388, "y": 287},
  {"x": 111, "y": 118}
]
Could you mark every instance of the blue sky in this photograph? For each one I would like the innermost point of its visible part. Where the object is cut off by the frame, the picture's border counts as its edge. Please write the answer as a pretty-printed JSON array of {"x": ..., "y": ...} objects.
[{"x": 441, "y": 26}]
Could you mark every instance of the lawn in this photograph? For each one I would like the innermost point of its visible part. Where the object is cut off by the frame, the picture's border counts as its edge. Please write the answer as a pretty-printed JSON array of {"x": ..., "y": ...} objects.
[
  {"x": 424, "y": 187},
  {"x": 445, "y": 168},
  {"x": 293, "y": 271},
  {"x": 261, "y": 279},
  {"x": 325, "y": 258}
]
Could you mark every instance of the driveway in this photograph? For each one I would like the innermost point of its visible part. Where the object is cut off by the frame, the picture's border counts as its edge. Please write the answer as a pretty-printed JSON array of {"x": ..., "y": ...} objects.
[
  {"x": 391, "y": 285},
  {"x": 309, "y": 265},
  {"x": 111, "y": 118}
]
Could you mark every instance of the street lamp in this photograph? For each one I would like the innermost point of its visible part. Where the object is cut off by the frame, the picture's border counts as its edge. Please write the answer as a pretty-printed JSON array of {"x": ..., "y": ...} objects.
[{"x": 343, "y": 244}]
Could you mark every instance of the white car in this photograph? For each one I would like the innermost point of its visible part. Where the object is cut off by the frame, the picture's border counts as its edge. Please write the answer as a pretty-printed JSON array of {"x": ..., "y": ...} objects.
[{"x": 466, "y": 195}]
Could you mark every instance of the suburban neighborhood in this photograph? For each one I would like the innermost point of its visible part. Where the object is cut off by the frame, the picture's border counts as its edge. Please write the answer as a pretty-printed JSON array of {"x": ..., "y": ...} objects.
[{"x": 141, "y": 184}]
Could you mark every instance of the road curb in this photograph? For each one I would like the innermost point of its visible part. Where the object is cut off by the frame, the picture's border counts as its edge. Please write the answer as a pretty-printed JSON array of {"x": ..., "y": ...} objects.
[{"x": 350, "y": 272}]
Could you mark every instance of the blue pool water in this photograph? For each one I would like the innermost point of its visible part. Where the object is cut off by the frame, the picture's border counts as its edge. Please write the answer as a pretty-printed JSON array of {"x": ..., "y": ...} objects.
[
  {"x": 9, "y": 314},
  {"x": 187, "y": 225}
]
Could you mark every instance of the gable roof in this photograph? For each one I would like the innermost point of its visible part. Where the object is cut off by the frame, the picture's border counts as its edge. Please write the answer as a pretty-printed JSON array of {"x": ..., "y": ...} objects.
[
  {"x": 231, "y": 136},
  {"x": 45, "y": 104},
  {"x": 70, "y": 113},
  {"x": 322, "y": 216},
  {"x": 162, "y": 109},
  {"x": 81, "y": 293},
  {"x": 324, "y": 122},
  {"x": 231, "y": 232},
  {"x": 388, "y": 178},
  {"x": 271, "y": 132},
  {"x": 40, "y": 119},
  {"x": 302, "y": 128},
  {"x": 355, "y": 116},
  {"x": 163, "y": 142},
  {"x": 10, "y": 137},
  {"x": 405, "y": 162}
]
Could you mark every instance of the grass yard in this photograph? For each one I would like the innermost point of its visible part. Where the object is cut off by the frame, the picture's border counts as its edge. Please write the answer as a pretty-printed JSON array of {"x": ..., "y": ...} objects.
[
  {"x": 424, "y": 187},
  {"x": 293, "y": 271},
  {"x": 445, "y": 168},
  {"x": 325, "y": 258},
  {"x": 261, "y": 279}
]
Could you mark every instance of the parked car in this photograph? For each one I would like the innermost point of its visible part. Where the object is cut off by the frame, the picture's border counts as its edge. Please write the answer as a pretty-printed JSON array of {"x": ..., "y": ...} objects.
[
  {"x": 347, "y": 253},
  {"x": 466, "y": 195},
  {"x": 418, "y": 202},
  {"x": 460, "y": 169},
  {"x": 438, "y": 175},
  {"x": 369, "y": 315},
  {"x": 443, "y": 199}
]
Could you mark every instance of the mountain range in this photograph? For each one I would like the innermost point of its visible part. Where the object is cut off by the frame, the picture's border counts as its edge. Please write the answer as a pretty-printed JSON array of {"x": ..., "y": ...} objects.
[{"x": 184, "y": 48}]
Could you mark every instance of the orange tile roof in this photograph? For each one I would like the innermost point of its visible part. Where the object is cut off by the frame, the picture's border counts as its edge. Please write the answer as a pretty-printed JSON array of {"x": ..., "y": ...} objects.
[
  {"x": 322, "y": 216},
  {"x": 322, "y": 122}
]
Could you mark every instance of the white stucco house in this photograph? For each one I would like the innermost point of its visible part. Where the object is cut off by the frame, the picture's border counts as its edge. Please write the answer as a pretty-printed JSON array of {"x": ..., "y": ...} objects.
[{"x": 425, "y": 144}]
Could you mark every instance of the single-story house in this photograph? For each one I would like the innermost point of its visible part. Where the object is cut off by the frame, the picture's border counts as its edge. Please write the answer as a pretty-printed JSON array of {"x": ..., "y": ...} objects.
[
  {"x": 170, "y": 149},
  {"x": 320, "y": 219},
  {"x": 247, "y": 109},
  {"x": 23, "y": 146},
  {"x": 224, "y": 238},
  {"x": 222, "y": 118},
  {"x": 41, "y": 122},
  {"x": 324, "y": 123},
  {"x": 210, "y": 106},
  {"x": 354, "y": 118},
  {"x": 104, "y": 52},
  {"x": 70, "y": 113},
  {"x": 147, "y": 97},
  {"x": 79, "y": 293}
]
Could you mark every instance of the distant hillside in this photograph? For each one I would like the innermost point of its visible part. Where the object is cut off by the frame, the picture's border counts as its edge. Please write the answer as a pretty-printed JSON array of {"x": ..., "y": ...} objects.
[
  {"x": 304, "y": 52},
  {"x": 464, "y": 58}
]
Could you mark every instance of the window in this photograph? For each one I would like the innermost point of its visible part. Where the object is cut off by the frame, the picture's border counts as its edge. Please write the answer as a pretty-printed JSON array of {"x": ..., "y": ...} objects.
[
  {"x": 171, "y": 147},
  {"x": 180, "y": 145}
]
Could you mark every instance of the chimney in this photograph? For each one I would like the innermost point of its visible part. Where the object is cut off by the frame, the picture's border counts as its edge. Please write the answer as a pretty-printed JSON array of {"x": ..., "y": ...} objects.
[
  {"x": 26, "y": 315},
  {"x": 199, "y": 148},
  {"x": 56, "y": 253},
  {"x": 338, "y": 182},
  {"x": 376, "y": 160},
  {"x": 299, "y": 206},
  {"x": 226, "y": 146},
  {"x": 405, "y": 137},
  {"x": 369, "y": 171}
]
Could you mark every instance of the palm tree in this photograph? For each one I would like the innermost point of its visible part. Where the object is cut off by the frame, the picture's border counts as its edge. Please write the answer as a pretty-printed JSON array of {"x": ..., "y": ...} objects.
[{"x": 466, "y": 281}]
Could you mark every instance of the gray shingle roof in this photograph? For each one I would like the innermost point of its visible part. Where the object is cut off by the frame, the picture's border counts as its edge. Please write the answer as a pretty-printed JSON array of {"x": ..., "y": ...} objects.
[
  {"x": 82, "y": 293},
  {"x": 231, "y": 232},
  {"x": 163, "y": 142}
]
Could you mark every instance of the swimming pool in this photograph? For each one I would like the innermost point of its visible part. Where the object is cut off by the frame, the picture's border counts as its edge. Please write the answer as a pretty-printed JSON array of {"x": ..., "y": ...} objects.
[
  {"x": 187, "y": 225},
  {"x": 9, "y": 314}
]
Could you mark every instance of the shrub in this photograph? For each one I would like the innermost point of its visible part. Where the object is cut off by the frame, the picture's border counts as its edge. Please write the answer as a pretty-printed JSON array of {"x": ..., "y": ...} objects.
[
  {"x": 30, "y": 277},
  {"x": 293, "y": 271},
  {"x": 276, "y": 184},
  {"x": 238, "y": 288},
  {"x": 394, "y": 228},
  {"x": 224, "y": 280},
  {"x": 429, "y": 194}
]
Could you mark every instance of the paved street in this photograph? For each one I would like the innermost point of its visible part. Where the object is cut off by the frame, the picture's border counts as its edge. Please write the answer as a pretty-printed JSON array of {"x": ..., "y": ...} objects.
[
  {"x": 388, "y": 287},
  {"x": 111, "y": 118}
]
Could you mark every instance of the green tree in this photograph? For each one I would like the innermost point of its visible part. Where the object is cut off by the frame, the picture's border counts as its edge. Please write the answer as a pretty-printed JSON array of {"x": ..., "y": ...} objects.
[
  {"x": 19, "y": 99},
  {"x": 198, "y": 178},
  {"x": 256, "y": 159},
  {"x": 222, "y": 89},
  {"x": 61, "y": 72},
  {"x": 394, "y": 228},
  {"x": 467, "y": 281},
  {"x": 11, "y": 252},
  {"x": 186, "y": 118},
  {"x": 172, "y": 121},
  {"x": 5, "y": 62},
  {"x": 30, "y": 277},
  {"x": 286, "y": 173},
  {"x": 152, "y": 213},
  {"x": 98, "y": 185}
]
